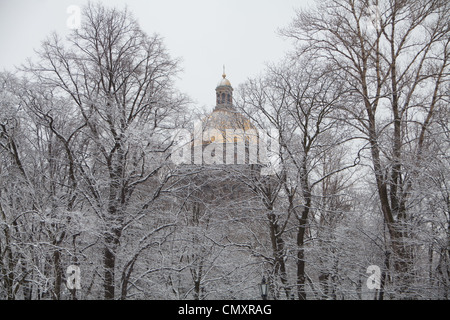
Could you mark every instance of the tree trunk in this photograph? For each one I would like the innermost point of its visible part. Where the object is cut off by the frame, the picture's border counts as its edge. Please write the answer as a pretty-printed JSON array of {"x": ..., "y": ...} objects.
[
  {"x": 58, "y": 274},
  {"x": 301, "y": 256},
  {"x": 278, "y": 252},
  {"x": 301, "y": 233},
  {"x": 109, "y": 262}
]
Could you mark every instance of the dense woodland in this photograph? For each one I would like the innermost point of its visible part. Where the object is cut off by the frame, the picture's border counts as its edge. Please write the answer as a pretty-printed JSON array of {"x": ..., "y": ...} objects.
[{"x": 360, "y": 110}]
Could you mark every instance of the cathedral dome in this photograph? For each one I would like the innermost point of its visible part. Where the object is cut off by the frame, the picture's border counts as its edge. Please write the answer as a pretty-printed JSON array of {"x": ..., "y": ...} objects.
[
  {"x": 225, "y": 136},
  {"x": 225, "y": 118}
]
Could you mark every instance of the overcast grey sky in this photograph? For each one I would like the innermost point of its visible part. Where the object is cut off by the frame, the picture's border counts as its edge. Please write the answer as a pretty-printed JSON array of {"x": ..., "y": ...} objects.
[{"x": 205, "y": 34}]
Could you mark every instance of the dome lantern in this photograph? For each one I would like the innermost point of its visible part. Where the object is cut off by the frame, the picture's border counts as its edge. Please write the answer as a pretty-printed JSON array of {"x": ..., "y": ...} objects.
[{"x": 224, "y": 93}]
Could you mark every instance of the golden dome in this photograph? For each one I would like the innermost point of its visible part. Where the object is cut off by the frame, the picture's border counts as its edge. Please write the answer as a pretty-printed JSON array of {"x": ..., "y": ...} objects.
[
  {"x": 224, "y": 81},
  {"x": 225, "y": 121},
  {"x": 225, "y": 124}
]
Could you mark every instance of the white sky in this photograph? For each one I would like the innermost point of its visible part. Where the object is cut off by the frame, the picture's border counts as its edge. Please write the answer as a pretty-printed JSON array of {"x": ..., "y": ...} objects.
[{"x": 205, "y": 34}]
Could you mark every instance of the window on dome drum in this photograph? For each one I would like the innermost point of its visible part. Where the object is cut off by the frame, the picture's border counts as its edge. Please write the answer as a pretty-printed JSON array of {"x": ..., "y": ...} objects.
[
  {"x": 229, "y": 98},
  {"x": 223, "y": 97}
]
